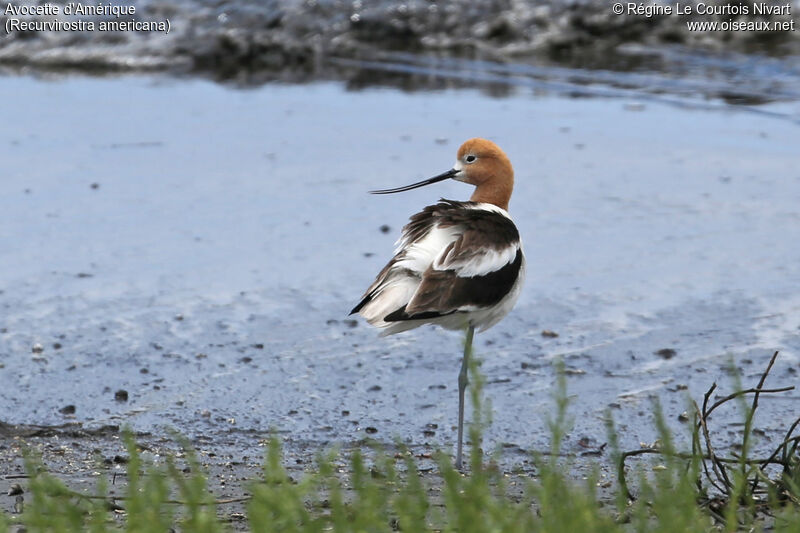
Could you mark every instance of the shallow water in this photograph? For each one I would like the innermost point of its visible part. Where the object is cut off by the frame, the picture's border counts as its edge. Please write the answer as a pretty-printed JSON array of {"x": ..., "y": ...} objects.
[{"x": 209, "y": 270}]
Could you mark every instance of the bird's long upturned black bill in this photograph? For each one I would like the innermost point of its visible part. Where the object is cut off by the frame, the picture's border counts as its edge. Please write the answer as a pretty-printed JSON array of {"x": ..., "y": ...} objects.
[{"x": 441, "y": 177}]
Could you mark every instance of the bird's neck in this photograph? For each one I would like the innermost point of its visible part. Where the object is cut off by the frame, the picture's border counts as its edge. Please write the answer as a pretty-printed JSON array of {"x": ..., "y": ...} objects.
[{"x": 493, "y": 192}]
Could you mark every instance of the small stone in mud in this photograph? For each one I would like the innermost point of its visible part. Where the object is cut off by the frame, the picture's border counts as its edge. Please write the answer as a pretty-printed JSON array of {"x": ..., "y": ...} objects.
[
  {"x": 368, "y": 254},
  {"x": 19, "y": 504},
  {"x": 351, "y": 323},
  {"x": 178, "y": 317},
  {"x": 258, "y": 346},
  {"x": 374, "y": 388},
  {"x": 15, "y": 490},
  {"x": 144, "y": 371},
  {"x": 549, "y": 334},
  {"x": 95, "y": 186},
  {"x": 37, "y": 348},
  {"x": 371, "y": 430},
  {"x": 345, "y": 412},
  {"x": 683, "y": 417},
  {"x": 439, "y": 386},
  {"x": 56, "y": 345},
  {"x": 84, "y": 275},
  {"x": 67, "y": 410},
  {"x": 246, "y": 360},
  {"x": 666, "y": 353},
  {"x": 441, "y": 140},
  {"x": 385, "y": 228},
  {"x": 121, "y": 395}
]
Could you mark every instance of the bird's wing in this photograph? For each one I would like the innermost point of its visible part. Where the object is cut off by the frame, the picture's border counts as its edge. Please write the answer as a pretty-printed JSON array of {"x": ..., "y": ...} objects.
[
  {"x": 475, "y": 267},
  {"x": 420, "y": 244}
]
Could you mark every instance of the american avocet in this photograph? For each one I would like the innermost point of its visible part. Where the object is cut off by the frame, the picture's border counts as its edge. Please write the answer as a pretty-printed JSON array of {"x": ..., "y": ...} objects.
[{"x": 457, "y": 264}]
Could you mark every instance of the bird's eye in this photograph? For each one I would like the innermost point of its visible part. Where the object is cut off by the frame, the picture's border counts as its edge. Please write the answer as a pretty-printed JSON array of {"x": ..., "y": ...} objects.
[{"x": 470, "y": 158}]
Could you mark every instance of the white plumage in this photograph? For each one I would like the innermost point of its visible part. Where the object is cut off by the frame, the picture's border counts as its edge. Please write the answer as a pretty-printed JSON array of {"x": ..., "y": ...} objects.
[{"x": 434, "y": 250}]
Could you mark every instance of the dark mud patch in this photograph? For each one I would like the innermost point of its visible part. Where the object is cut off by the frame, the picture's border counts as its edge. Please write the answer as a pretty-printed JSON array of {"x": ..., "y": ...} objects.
[
  {"x": 80, "y": 459},
  {"x": 389, "y": 43},
  {"x": 70, "y": 430}
]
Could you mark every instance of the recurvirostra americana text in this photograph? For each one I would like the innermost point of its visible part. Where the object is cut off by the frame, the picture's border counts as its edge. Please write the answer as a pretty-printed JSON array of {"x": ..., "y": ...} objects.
[{"x": 457, "y": 264}]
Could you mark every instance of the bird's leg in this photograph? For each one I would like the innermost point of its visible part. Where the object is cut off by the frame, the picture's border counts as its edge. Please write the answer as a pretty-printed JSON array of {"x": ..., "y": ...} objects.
[{"x": 462, "y": 386}]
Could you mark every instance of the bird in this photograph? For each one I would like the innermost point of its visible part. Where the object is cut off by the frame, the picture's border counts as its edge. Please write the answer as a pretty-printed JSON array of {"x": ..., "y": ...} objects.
[{"x": 457, "y": 264}]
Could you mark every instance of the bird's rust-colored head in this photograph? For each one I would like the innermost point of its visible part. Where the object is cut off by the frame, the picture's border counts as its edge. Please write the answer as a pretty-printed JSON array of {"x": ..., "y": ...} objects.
[{"x": 480, "y": 163}]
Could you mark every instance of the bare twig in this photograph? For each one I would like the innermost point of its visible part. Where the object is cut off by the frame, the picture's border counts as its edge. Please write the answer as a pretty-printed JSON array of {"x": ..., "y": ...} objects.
[
  {"x": 710, "y": 451},
  {"x": 730, "y": 397},
  {"x": 717, "y": 474},
  {"x": 169, "y": 502},
  {"x": 682, "y": 455},
  {"x": 748, "y": 424}
]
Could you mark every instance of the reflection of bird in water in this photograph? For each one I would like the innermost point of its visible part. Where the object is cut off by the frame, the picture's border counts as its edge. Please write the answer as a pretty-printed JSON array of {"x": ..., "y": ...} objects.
[{"x": 458, "y": 264}]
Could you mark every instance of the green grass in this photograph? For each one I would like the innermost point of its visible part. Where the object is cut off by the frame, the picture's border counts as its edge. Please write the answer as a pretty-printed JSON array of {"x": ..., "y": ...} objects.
[{"x": 380, "y": 492}]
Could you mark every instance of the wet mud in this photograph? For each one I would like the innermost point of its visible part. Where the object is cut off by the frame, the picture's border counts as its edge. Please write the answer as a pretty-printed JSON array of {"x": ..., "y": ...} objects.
[
  {"x": 189, "y": 266},
  {"x": 247, "y": 42}
]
